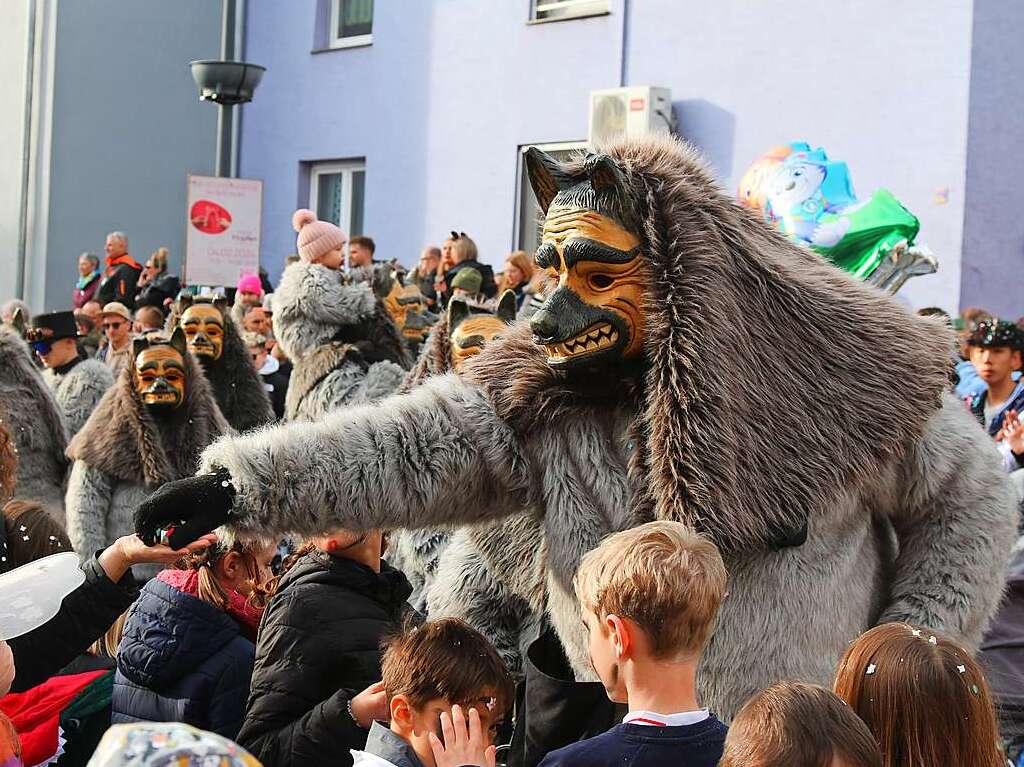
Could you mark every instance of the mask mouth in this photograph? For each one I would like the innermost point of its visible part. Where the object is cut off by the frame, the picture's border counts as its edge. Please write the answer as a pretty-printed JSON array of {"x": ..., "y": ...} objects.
[
  {"x": 203, "y": 347},
  {"x": 599, "y": 337},
  {"x": 161, "y": 394}
]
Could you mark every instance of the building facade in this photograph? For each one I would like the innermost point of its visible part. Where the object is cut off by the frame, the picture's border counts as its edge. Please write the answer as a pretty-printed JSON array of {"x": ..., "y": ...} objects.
[
  {"x": 405, "y": 120},
  {"x": 102, "y": 127}
]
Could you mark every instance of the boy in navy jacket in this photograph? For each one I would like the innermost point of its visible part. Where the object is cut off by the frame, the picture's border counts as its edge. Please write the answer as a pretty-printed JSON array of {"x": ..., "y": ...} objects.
[{"x": 649, "y": 596}]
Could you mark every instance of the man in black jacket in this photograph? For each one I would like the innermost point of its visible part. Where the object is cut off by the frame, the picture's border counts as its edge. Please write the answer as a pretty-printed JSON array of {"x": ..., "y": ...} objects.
[
  {"x": 121, "y": 277},
  {"x": 318, "y": 647}
]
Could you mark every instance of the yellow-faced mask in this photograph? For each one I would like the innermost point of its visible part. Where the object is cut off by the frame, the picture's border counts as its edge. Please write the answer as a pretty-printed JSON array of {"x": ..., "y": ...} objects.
[
  {"x": 469, "y": 332},
  {"x": 203, "y": 325},
  {"x": 595, "y": 314},
  {"x": 160, "y": 372}
]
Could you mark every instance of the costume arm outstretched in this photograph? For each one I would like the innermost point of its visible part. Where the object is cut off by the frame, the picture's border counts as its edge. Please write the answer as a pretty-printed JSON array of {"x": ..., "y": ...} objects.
[
  {"x": 437, "y": 455},
  {"x": 956, "y": 521}
]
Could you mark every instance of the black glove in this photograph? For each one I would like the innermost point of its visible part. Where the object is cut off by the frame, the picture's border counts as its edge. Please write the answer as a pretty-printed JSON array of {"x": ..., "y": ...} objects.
[{"x": 182, "y": 511}]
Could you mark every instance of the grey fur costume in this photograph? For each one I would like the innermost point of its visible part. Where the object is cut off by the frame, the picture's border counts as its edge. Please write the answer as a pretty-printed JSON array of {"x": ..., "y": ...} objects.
[
  {"x": 776, "y": 391},
  {"x": 79, "y": 391},
  {"x": 449, "y": 573},
  {"x": 238, "y": 388},
  {"x": 344, "y": 348},
  {"x": 36, "y": 424},
  {"x": 124, "y": 452}
]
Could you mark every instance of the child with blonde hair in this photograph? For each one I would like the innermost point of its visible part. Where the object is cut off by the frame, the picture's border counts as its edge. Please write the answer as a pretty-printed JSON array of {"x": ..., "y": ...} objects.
[{"x": 649, "y": 596}]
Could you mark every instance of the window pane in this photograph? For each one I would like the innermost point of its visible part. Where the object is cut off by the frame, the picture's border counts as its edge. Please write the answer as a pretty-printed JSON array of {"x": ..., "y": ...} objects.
[
  {"x": 358, "y": 197},
  {"x": 557, "y": 9},
  {"x": 328, "y": 197},
  {"x": 355, "y": 17}
]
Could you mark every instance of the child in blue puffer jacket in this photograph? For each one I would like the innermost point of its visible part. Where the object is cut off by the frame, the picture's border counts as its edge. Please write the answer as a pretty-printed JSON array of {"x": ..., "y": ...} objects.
[{"x": 188, "y": 646}]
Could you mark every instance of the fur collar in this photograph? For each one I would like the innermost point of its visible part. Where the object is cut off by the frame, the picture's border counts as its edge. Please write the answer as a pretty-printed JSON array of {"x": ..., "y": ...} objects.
[
  {"x": 435, "y": 357},
  {"x": 772, "y": 382},
  {"x": 123, "y": 439},
  {"x": 310, "y": 370}
]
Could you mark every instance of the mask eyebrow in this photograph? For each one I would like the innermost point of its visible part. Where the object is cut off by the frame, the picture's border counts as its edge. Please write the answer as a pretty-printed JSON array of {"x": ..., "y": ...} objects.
[
  {"x": 583, "y": 249},
  {"x": 547, "y": 256}
]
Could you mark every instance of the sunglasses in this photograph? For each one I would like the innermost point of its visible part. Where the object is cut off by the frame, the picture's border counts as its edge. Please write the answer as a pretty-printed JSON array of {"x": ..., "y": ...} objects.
[
  {"x": 457, "y": 235},
  {"x": 41, "y": 347},
  {"x": 112, "y": 325}
]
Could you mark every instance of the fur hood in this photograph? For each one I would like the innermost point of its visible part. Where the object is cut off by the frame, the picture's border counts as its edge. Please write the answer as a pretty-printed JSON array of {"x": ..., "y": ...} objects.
[
  {"x": 237, "y": 386},
  {"x": 771, "y": 380},
  {"x": 124, "y": 440}
]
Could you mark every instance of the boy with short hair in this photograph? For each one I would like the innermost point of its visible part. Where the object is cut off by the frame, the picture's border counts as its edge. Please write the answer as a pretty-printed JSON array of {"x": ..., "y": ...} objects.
[
  {"x": 799, "y": 725},
  {"x": 995, "y": 349},
  {"x": 649, "y": 597},
  {"x": 441, "y": 667}
]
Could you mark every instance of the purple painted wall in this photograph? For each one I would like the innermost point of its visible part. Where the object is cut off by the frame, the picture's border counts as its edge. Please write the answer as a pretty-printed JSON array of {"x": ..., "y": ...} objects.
[{"x": 449, "y": 90}]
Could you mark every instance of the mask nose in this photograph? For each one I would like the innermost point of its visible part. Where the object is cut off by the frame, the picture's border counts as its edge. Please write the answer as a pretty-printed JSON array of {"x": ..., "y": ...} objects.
[{"x": 544, "y": 325}]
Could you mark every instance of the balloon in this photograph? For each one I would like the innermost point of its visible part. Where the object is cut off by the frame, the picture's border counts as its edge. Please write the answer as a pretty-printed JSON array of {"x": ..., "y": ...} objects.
[{"x": 810, "y": 198}]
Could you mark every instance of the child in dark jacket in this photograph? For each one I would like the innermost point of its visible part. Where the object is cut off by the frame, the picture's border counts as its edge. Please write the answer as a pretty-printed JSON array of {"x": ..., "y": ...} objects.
[
  {"x": 187, "y": 650},
  {"x": 315, "y": 689},
  {"x": 649, "y": 596}
]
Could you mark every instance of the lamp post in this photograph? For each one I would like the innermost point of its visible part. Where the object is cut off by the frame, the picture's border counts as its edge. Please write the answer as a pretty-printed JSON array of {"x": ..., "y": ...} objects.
[{"x": 227, "y": 83}]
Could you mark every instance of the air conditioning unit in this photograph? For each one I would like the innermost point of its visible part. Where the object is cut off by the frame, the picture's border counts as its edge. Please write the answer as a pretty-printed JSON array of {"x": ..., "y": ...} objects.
[{"x": 631, "y": 111}]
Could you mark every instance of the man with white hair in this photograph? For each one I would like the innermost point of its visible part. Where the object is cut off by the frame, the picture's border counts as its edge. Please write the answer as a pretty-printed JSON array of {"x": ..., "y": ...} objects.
[{"x": 121, "y": 277}]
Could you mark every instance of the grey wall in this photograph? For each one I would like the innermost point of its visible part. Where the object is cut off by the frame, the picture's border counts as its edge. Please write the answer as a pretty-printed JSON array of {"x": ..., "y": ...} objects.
[
  {"x": 993, "y": 260},
  {"x": 127, "y": 128},
  {"x": 12, "y": 96}
]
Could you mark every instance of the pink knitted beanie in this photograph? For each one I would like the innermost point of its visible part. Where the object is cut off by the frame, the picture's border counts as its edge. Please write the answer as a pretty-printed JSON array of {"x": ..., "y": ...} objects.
[
  {"x": 250, "y": 283},
  {"x": 315, "y": 237}
]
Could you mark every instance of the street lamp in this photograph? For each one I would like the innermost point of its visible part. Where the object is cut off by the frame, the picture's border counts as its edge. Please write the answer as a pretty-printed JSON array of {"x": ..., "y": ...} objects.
[{"x": 226, "y": 83}]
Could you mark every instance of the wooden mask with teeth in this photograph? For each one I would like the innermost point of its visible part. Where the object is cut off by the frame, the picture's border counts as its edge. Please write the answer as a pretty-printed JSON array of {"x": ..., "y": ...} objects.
[
  {"x": 202, "y": 321},
  {"x": 469, "y": 330},
  {"x": 159, "y": 369},
  {"x": 590, "y": 246}
]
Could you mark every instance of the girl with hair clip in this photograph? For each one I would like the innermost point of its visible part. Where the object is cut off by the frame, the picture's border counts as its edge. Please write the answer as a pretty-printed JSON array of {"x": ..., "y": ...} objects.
[
  {"x": 924, "y": 698},
  {"x": 187, "y": 650}
]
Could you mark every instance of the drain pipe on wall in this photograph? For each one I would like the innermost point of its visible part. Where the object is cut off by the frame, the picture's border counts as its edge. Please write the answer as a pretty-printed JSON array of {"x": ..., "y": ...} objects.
[{"x": 26, "y": 157}]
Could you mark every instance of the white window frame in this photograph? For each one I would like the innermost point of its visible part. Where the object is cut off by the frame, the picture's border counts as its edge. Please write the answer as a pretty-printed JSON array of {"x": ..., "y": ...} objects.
[
  {"x": 346, "y": 169},
  {"x": 355, "y": 41},
  {"x": 521, "y": 178},
  {"x": 537, "y": 6}
]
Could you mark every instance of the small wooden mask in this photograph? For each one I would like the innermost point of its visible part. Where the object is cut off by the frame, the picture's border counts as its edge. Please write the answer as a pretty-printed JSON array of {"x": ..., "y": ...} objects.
[
  {"x": 470, "y": 330},
  {"x": 159, "y": 370},
  {"x": 203, "y": 325}
]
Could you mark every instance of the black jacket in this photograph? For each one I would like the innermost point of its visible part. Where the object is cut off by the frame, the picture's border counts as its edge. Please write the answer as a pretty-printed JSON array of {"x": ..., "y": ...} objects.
[
  {"x": 163, "y": 287},
  {"x": 487, "y": 284},
  {"x": 319, "y": 645},
  {"x": 181, "y": 660},
  {"x": 276, "y": 384},
  {"x": 120, "y": 286},
  {"x": 85, "y": 615}
]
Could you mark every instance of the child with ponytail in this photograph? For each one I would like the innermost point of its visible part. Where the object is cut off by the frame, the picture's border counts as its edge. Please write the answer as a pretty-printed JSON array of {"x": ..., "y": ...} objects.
[{"x": 187, "y": 651}]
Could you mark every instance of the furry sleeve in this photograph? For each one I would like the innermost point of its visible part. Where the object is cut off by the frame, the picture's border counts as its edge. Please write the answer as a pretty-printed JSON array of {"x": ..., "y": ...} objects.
[
  {"x": 87, "y": 506},
  {"x": 956, "y": 517},
  {"x": 80, "y": 391},
  {"x": 434, "y": 456},
  {"x": 310, "y": 304}
]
